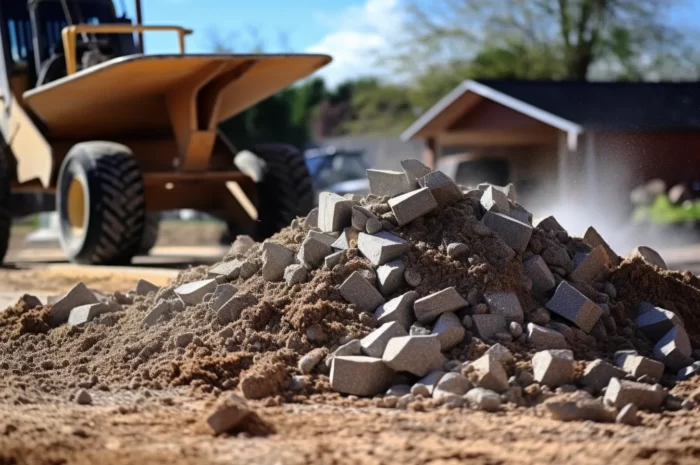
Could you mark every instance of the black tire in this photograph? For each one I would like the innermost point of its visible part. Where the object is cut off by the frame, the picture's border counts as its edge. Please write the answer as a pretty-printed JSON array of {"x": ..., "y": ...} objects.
[
  {"x": 111, "y": 226},
  {"x": 5, "y": 207},
  {"x": 284, "y": 192},
  {"x": 151, "y": 229}
]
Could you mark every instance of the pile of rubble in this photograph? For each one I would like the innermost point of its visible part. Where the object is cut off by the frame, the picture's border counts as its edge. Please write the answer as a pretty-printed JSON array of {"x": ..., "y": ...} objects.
[{"x": 422, "y": 291}]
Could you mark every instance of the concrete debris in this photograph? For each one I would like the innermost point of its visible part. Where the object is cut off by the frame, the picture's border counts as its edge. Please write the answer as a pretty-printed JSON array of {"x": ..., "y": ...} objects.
[
  {"x": 83, "y": 397},
  {"x": 539, "y": 273},
  {"x": 222, "y": 294},
  {"x": 360, "y": 215},
  {"x": 334, "y": 212},
  {"x": 645, "y": 396},
  {"x": 248, "y": 269},
  {"x": 388, "y": 183},
  {"x": 487, "y": 326},
  {"x": 689, "y": 372},
  {"x": 483, "y": 399},
  {"x": 569, "y": 303},
  {"x": 515, "y": 329},
  {"x": 308, "y": 362},
  {"x": 428, "y": 308},
  {"x": 398, "y": 390},
  {"x": 489, "y": 373},
  {"x": 650, "y": 256},
  {"x": 358, "y": 291},
  {"x": 311, "y": 220},
  {"x": 60, "y": 310},
  {"x": 514, "y": 233},
  {"x": 390, "y": 276},
  {"x": 519, "y": 213},
  {"x": 352, "y": 347},
  {"x": 144, "y": 287},
  {"x": 581, "y": 410},
  {"x": 381, "y": 247},
  {"x": 638, "y": 366},
  {"x": 542, "y": 338},
  {"x": 85, "y": 313},
  {"x": 595, "y": 266},
  {"x": 550, "y": 224},
  {"x": 360, "y": 376},
  {"x": 508, "y": 190},
  {"x": 229, "y": 414},
  {"x": 495, "y": 201},
  {"x": 594, "y": 239},
  {"x": 553, "y": 367},
  {"x": 655, "y": 322},
  {"x": 501, "y": 354},
  {"x": 457, "y": 249},
  {"x": 505, "y": 304},
  {"x": 449, "y": 330},
  {"x": 444, "y": 189},
  {"x": 297, "y": 274},
  {"x": 193, "y": 293},
  {"x": 412, "y": 277},
  {"x": 398, "y": 309},
  {"x": 412, "y": 205},
  {"x": 418, "y": 355},
  {"x": 327, "y": 238},
  {"x": 373, "y": 226},
  {"x": 414, "y": 170},
  {"x": 452, "y": 383},
  {"x": 346, "y": 239},
  {"x": 232, "y": 309},
  {"x": 628, "y": 415},
  {"x": 598, "y": 373},
  {"x": 674, "y": 349},
  {"x": 229, "y": 270},
  {"x": 425, "y": 386},
  {"x": 375, "y": 342},
  {"x": 313, "y": 251}
]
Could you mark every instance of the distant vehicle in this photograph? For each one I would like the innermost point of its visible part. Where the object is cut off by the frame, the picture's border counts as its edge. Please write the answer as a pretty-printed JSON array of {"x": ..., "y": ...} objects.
[
  {"x": 338, "y": 171},
  {"x": 465, "y": 170}
]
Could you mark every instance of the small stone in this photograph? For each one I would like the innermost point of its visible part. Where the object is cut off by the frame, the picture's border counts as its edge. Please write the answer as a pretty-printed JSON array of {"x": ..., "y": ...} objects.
[
  {"x": 428, "y": 308},
  {"x": 418, "y": 329},
  {"x": 360, "y": 215},
  {"x": 553, "y": 367},
  {"x": 83, "y": 397},
  {"x": 296, "y": 274},
  {"x": 637, "y": 366},
  {"x": 412, "y": 277},
  {"x": 373, "y": 226},
  {"x": 581, "y": 410},
  {"x": 598, "y": 373},
  {"x": 358, "y": 291},
  {"x": 537, "y": 270},
  {"x": 545, "y": 338},
  {"x": 309, "y": 361},
  {"x": 525, "y": 378},
  {"x": 399, "y": 309},
  {"x": 655, "y": 322},
  {"x": 443, "y": 189},
  {"x": 650, "y": 256},
  {"x": 390, "y": 276},
  {"x": 540, "y": 316},
  {"x": 231, "y": 311},
  {"x": 184, "y": 339},
  {"x": 452, "y": 383},
  {"x": 230, "y": 412},
  {"x": 593, "y": 239},
  {"x": 334, "y": 212},
  {"x": 222, "y": 294},
  {"x": 387, "y": 183},
  {"x": 467, "y": 321},
  {"x": 425, "y": 386},
  {"x": 622, "y": 392},
  {"x": 569, "y": 303},
  {"x": 495, "y": 201},
  {"x": 333, "y": 259},
  {"x": 311, "y": 220},
  {"x": 360, "y": 376},
  {"x": 248, "y": 269},
  {"x": 313, "y": 252},
  {"x": 501, "y": 354},
  {"x": 418, "y": 355},
  {"x": 515, "y": 329},
  {"x": 550, "y": 224},
  {"x": 382, "y": 247},
  {"x": 483, "y": 399},
  {"x": 193, "y": 293},
  {"x": 414, "y": 170},
  {"x": 628, "y": 415},
  {"x": 375, "y": 342},
  {"x": 228, "y": 270},
  {"x": 275, "y": 259},
  {"x": 398, "y": 390},
  {"x": 487, "y": 326},
  {"x": 489, "y": 373},
  {"x": 595, "y": 266},
  {"x": 144, "y": 287},
  {"x": 412, "y": 205},
  {"x": 505, "y": 304},
  {"x": 60, "y": 309},
  {"x": 457, "y": 249},
  {"x": 674, "y": 349},
  {"x": 514, "y": 233},
  {"x": 449, "y": 330}
]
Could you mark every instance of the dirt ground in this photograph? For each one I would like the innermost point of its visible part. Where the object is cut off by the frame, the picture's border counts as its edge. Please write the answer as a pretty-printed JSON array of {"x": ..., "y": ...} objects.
[{"x": 142, "y": 426}]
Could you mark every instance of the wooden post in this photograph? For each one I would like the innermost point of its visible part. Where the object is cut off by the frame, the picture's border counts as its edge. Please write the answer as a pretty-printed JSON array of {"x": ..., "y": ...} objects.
[
  {"x": 139, "y": 21},
  {"x": 430, "y": 153}
]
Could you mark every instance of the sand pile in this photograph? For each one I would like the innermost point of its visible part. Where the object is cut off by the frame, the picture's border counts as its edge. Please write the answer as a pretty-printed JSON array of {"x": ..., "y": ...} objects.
[{"x": 423, "y": 293}]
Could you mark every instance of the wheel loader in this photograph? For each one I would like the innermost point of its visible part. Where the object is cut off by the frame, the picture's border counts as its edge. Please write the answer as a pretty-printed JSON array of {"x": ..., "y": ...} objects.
[{"x": 116, "y": 136}]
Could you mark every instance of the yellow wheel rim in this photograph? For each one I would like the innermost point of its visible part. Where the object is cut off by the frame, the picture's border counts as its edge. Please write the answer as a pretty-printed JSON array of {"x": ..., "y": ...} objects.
[{"x": 76, "y": 206}]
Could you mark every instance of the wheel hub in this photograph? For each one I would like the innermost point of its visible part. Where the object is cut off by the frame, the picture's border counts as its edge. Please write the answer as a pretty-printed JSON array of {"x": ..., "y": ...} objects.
[{"x": 76, "y": 206}]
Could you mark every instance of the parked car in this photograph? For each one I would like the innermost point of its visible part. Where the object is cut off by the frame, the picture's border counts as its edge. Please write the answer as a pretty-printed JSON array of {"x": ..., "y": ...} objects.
[{"x": 338, "y": 171}]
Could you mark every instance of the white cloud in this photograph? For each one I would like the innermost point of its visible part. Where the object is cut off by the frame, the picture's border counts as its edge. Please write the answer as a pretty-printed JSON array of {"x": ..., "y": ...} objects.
[{"x": 360, "y": 32}]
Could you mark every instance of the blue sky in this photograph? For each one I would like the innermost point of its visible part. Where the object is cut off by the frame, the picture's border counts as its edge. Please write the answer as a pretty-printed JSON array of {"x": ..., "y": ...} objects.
[{"x": 349, "y": 30}]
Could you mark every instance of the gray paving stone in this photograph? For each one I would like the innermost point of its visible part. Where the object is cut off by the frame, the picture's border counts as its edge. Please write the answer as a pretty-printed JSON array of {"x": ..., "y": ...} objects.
[
  {"x": 333, "y": 259},
  {"x": 222, "y": 294},
  {"x": 569, "y": 303},
  {"x": 390, "y": 276},
  {"x": 313, "y": 252},
  {"x": 428, "y": 308},
  {"x": 358, "y": 291},
  {"x": 598, "y": 373},
  {"x": 346, "y": 239},
  {"x": 360, "y": 215},
  {"x": 414, "y": 170},
  {"x": 381, "y": 247},
  {"x": 360, "y": 376},
  {"x": 553, "y": 367},
  {"x": 489, "y": 373},
  {"x": 501, "y": 354},
  {"x": 628, "y": 415},
  {"x": 426, "y": 385},
  {"x": 644, "y": 396},
  {"x": 638, "y": 366},
  {"x": 689, "y": 372},
  {"x": 373, "y": 226},
  {"x": 334, "y": 212},
  {"x": 79, "y": 295},
  {"x": 519, "y": 213},
  {"x": 387, "y": 183},
  {"x": 674, "y": 349},
  {"x": 487, "y": 326},
  {"x": 311, "y": 220},
  {"x": 655, "y": 322},
  {"x": 483, "y": 399},
  {"x": 495, "y": 201},
  {"x": 230, "y": 270},
  {"x": 650, "y": 256},
  {"x": 418, "y": 355},
  {"x": 86, "y": 313},
  {"x": 514, "y": 233},
  {"x": 248, "y": 269},
  {"x": 449, "y": 330},
  {"x": 452, "y": 383},
  {"x": 508, "y": 190},
  {"x": 375, "y": 342},
  {"x": 594, "y": 239},
  {"x": 505, "y": 304},
  {"x": 231, "y": 310},
  {"x": 296, "y": 274},
  {"x": 550, "y": 224},
  {"x": 275, "y": 259},
  {"x": 444, "y": 189},
  {"x": 327, "y": 238},
  {"x": 193, "y": 293},
  {"x": 539, "y": 273},
  {"x": 595, "y": 266},
  {"x": 412, "y": 205},
  {"x": 144, "y": 287},
  {"x": 399, "y": 309}
]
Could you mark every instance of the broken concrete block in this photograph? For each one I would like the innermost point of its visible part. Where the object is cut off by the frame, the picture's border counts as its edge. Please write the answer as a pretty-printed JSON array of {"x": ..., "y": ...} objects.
[
  {"x": 193, "y": 293},
  {"x": 414, "y": 170},
  {"x": 457, "y": 249},
  {"x": 143, "y": 287},
  {"x": 231, "y": 311},
  {"x": 373, "y": 226},
  {"x": 515, "y": 329},
  {"x": 248, "y": 269},
  {"x": 595, "y": 266},
  {"x": 674, "y": 349},
  {"x": 381, "y": 247},
  {"x": 569, "y": 303},
  {"x": 390, "y": 276},
  {"x": 483, "y": 399},
  {"x": 222, "y": 294},
  {"x": 689, "y": 372},
  {"x": 360, "y": 376},
  {"x": 655, "y": 322},
  {"x": 77, "y": 296},
  {"x": 594, "y": 239},
  {"x": 229, "y": 414},
  {"x": 542, "y": 338},
  {"x": 296, "y": 274},
  {"x": 501, "y": 354},
  {"x": 449, "y": 330},
  {"x": 645, "y": 396},
  {"x": 414, "y": 354},
  {"x": 519, "y": 213},
  {"x": 275, "y": 259},
  {"x": 375, "y": 342},
  {"x": 387, "y": 183},
  {"x": 334, "y": 212},
  {"x": 487, "y": 326},
  {"x": 333, "y": 259},
  {"x": 514, "y": 233},
  {"x": 85, "y": 313},
  {"x": 444, "y": 189},
  {"x": 451, "y": 383},
  {"x": 229, "y": 270},
  {"x": 598, "y": 373},
  {"x": 159, "y": 310},
  {"x": 398, "y": 309},
  {"x": 428, "y": 308},
  {"x": 550, "y": 224},
  {"x": 553, "y": 367},
  {"x": 426, "y": 385},
  {"x": 311, "y": 220},
  {"x": 539, "y": 273},
  {"x": 639, "y": 366},
  {"x": 309, "y": 361},
  {"x": 650, "y": 256},
  {"x": 413, "y": 205},
  {"x": 352, "y": 347},
  {"x": 326, "y": 238},
  {"x": 495, "y": 201},
  {"x": 358, "y": 291},
  {"x": 489, "y": 373},
  {"x": 360, "y": 215},
  {"x": 505, "y": 304},
  {"x": 346, "y": 239},
  {"x": 628, "y": 415},
  {"x": 313, "y": 252}
]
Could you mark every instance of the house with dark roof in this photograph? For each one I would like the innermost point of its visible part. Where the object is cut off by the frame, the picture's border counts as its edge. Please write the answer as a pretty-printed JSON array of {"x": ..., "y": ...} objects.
[{"x": 579, "y": 141}]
